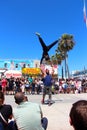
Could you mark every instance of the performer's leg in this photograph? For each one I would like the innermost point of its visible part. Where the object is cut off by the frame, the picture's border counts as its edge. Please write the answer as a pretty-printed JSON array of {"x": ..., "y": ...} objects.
[
  {"x": 43, "y": 98},
  {"x": 50, "y": 95},
  {"x": 43, "y": 95},
  {"x": 51, "y": 45},
  {"x": 41, "y": 41}
]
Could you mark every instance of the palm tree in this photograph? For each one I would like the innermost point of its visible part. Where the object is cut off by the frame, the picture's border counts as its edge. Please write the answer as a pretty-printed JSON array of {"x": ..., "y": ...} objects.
[
  {"x": 57, "y": 58},
  {"x": 66, "y": 43}
]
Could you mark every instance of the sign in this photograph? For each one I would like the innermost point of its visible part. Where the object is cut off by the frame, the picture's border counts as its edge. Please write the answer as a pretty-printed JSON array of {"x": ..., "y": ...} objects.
[
  {"x": 31, "y": 71},
  {"x": 13, "y": 73}
]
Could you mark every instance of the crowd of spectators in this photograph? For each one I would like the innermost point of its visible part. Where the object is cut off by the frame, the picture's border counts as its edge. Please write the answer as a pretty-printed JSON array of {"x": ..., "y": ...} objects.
[{"x": 34, "y": 85}]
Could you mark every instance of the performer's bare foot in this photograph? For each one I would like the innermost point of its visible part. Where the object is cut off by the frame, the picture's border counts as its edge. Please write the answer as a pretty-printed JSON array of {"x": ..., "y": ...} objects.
[{"x": 38, "y": 34}]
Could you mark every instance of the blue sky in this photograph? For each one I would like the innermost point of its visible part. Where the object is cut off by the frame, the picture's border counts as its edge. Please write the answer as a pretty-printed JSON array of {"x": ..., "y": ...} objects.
[{"x": 20, "y": 19}]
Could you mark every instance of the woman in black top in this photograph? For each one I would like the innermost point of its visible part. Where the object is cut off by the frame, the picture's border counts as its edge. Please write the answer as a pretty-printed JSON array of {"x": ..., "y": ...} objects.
[{"x": 5, "y": 112}]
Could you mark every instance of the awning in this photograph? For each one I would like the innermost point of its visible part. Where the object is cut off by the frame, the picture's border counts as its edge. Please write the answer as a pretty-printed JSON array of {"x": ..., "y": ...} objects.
[{"x": 13, "y": 73}]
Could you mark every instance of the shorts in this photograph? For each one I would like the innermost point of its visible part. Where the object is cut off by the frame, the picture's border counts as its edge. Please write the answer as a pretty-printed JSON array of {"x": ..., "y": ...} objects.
[
  {"x": 27, "y": 87},
  {"x": 47, "y": 90}
]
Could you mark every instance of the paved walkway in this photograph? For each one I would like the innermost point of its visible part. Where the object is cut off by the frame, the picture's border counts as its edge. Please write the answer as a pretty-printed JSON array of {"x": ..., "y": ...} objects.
[{"x": 58, "y": 113}]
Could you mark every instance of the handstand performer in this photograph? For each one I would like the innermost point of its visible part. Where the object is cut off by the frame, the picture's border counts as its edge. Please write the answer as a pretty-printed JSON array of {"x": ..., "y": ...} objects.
[{"x": 45, "y": 48}]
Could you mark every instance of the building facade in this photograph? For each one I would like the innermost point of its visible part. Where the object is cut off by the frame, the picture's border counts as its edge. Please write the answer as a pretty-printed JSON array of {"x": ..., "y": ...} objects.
[{"x": 18, "y": 64}]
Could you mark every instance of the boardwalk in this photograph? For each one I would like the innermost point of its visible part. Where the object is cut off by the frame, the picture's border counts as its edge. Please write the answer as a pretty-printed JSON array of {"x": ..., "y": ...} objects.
[{"x": 58, "y": 113}]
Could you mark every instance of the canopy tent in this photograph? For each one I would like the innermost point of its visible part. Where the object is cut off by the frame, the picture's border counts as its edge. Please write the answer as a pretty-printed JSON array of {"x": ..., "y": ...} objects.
[{"x": 13, "y": 73}]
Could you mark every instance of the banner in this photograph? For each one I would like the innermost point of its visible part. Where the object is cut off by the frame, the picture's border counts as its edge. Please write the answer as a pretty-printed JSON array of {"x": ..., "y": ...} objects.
[{"x": 31, "y": 71}]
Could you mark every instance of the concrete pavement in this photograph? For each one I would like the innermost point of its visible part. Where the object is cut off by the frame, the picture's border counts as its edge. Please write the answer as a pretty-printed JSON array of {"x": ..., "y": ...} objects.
[{"x": 58, "y": 113}]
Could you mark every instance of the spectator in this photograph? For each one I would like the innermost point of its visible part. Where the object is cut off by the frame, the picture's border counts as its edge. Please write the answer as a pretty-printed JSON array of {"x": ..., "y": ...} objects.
[
  {"x": 4, "y": 84},
  {"x": 5, "y": 114},
  {"x": 78, "y": 115},
  {"x": 28, "y": 115}
]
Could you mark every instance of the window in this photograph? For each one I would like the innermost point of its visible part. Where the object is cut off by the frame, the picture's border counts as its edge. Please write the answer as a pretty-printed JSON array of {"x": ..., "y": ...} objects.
[
  {"x": 16, "y": 66},
  {"x": 5, "y": 65}
]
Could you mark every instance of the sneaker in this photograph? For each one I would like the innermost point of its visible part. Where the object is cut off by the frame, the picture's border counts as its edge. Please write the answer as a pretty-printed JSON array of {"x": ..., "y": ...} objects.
[{"x": 38, "y": 34}]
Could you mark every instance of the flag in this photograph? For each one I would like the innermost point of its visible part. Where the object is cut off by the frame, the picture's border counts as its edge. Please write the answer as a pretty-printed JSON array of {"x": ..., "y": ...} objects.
[{"x": 84, "y": 13}]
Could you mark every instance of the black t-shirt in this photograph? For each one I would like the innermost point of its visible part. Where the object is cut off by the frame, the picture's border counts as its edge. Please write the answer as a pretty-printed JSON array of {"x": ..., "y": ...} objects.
[{"x": 6, "y": 111}]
